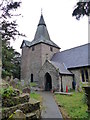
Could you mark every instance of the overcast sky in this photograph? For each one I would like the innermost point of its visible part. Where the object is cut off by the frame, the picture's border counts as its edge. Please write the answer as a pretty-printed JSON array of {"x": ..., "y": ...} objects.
[{"x": 64, "y": 30}]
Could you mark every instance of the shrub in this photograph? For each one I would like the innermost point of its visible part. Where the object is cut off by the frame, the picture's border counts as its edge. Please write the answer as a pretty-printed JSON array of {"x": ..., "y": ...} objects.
[
  {"x": 5, "y": 74},
  {"x": 7, "y": 92}
]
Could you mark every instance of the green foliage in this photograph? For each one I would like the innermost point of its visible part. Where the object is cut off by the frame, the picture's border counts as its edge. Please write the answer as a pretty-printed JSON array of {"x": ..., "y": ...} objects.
[
  {"x": 35, "y": 96},
  {"x": 7, "y": 92},
  {"x": 8, "y": 31},
  {"x": 10, "y": 61},
  {"x": 7, "y": 24},
  {"x": 10, "y": 117},
  {"x": 33, "y": 84},
  {"x": 5, "y": 73},
  {"x": 84, "y": 99},
  {"x": 74, "y": 105}
]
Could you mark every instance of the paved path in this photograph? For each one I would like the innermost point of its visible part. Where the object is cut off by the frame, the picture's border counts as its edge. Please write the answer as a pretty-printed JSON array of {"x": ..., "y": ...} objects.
[{"x": 50, "y": 109}]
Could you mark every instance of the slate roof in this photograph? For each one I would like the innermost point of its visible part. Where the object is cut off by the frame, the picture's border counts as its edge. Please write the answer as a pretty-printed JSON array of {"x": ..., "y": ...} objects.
[
  {"x": 27, "y": 43},
  {"x": 73, "y": 58},
  {"x": 41, "y": 21},
  {"x": 41, "y": 35},
  {"x": 62, "y": 68}
]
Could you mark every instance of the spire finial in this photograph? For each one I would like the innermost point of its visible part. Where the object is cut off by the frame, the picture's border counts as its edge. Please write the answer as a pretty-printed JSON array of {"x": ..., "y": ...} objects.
[{"x": 41, "y": 11}]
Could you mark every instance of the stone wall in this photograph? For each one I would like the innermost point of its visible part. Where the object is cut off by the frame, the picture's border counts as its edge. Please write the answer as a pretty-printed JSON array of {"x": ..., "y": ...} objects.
[
  {"x": 32, "y": 61},
  {"x": 66, "y": 81},
  {"x": 56, "y": 78},
  {"x": 24, "y": 63},
  {"x": 54, "y": 73},
  {"x": 46, "y": 50},
  {"x": 77, "y": 74},
  {"x": 35, "y": 62}
]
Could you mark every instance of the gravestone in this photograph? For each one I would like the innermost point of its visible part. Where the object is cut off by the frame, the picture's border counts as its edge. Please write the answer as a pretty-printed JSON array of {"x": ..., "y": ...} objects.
[
  {"x": 16, "y": 80},
  {"x": 22, "y": 83},
  {"x": 18, "y": 114},
  {"x": 7, "y": 78}
]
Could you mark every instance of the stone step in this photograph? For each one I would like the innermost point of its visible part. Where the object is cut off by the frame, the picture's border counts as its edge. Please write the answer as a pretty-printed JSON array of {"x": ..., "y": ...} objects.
[
  {"x": 36, "y": 115},
  {"x": 30, "y": 116},
  {"x": 25, "y": 108},
  {"x": 64, "y": 93},
  {"x": 9, "y": 102}
]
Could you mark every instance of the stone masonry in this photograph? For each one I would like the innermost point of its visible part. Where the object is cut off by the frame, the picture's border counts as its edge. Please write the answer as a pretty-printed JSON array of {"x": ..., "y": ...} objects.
[
  {"x": 33, "y": 60},
  {"x": 42, "y": 62}
]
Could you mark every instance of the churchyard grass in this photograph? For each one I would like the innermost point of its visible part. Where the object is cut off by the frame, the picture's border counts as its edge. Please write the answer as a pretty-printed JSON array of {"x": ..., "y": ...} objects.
[
  {"x": 35, "y": 96},
  {"x": 33, "y": 84},
  {"x": 75, "y": 105}
]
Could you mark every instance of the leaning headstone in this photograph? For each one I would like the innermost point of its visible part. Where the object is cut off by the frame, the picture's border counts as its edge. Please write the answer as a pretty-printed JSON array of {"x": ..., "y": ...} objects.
[
  {"x": 4, "y": 84},
  {"x": 16, "y": 80},
  {"x": 8, "y": 78},
  {"x": 18, "y": 115},
  {"x": 11, "y": 78},
  {"x": 22, "y": 83}
]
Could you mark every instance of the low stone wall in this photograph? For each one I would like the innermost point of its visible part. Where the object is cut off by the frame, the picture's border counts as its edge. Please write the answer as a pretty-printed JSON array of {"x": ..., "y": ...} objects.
[
  {"x": 8, "y": 102},
  {"x": 27, "y": 107}
]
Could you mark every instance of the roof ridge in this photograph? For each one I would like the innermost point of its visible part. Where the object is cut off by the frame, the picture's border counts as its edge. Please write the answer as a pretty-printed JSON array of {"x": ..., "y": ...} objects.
[{"x": 75, "y": 47}]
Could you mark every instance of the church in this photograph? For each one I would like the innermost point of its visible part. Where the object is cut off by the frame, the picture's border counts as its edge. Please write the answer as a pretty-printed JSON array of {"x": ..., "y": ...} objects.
[{"x": 43, "y": 62}]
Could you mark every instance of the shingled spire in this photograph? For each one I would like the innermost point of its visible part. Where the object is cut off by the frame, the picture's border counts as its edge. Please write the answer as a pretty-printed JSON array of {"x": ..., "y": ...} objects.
[
  {"x": 41, "y": 35},
  {"x": 41, "y": 32},
  {"x": 41, "y": 21}
]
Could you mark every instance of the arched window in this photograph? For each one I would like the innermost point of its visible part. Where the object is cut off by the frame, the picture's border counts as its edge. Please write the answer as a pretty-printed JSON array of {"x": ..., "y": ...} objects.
[
  {"x": 82, "y": 74},
  {"x": 86, "y": 74},
  {"x": 31, "y": 77}
]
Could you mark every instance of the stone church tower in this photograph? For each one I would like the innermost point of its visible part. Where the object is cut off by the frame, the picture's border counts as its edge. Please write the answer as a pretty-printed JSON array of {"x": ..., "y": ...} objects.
[{"x": 35, "y": 53}]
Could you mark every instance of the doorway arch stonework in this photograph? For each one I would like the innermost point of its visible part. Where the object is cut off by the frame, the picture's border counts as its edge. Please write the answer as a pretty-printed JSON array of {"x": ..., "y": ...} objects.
[{"x": 48, "y": 82}]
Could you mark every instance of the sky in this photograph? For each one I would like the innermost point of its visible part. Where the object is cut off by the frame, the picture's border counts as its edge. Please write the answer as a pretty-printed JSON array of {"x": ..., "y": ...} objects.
[{"x": 64, "y": 30}]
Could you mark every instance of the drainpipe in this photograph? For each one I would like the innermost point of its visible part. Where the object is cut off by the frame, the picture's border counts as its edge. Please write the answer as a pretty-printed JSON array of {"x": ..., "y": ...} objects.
[{"x": 87, "y": 88}]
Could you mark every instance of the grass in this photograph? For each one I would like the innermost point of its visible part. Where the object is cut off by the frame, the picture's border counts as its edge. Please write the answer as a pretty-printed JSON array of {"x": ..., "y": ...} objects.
[
  {"x": 36, "y": 96},
  {"x": 33, "y": 84},
  {"x": 74, "y": 105}
]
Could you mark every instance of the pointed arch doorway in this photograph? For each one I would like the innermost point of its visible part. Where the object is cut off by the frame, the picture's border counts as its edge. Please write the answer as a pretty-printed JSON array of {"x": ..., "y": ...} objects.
[{"x": 48, "y": 82}]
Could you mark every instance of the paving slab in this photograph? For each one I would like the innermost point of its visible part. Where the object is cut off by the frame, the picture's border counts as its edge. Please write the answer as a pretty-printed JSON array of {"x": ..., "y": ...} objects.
[{"x": 50, "y": 108}]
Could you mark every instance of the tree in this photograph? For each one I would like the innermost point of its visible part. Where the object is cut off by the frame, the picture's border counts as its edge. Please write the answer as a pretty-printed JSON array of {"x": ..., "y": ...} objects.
[
  {"x": 81, "y": 9},
  {"x": 8, "y": 30},
  {"x": 7, "y": 25},
  {"x": 10, "y": 61},
  {"x": 17, "y": 65}
]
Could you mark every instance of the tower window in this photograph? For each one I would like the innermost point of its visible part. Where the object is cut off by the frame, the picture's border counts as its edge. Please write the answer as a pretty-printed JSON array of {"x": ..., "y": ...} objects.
[
  {"x": 51, "y": 49},
  {"x": 31, "y": 77},
  {"x": 33, "y": 48}
]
